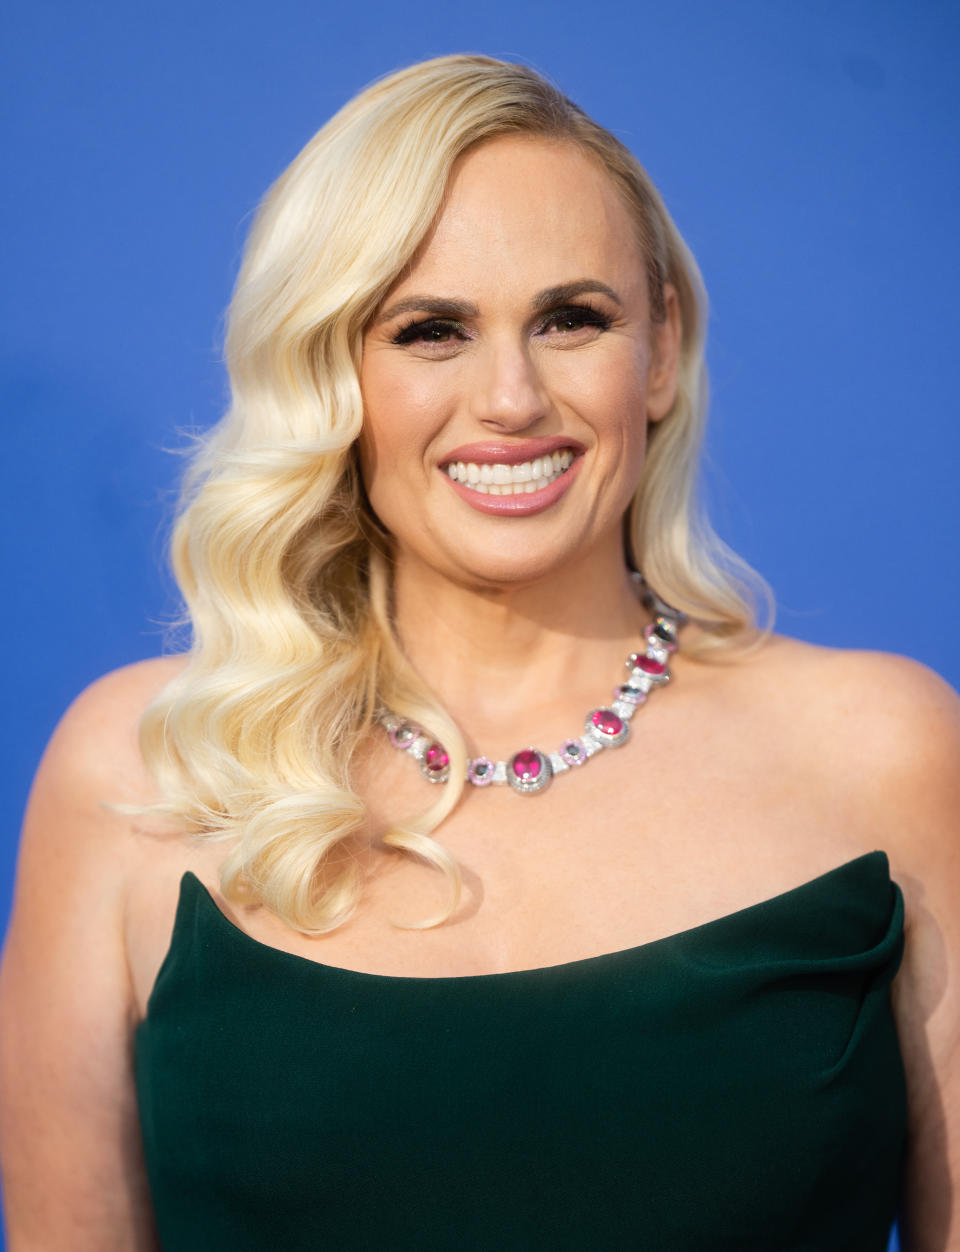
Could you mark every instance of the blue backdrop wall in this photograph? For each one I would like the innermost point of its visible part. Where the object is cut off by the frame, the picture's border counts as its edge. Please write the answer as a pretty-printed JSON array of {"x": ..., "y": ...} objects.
[{"x": 806, "y": 150}]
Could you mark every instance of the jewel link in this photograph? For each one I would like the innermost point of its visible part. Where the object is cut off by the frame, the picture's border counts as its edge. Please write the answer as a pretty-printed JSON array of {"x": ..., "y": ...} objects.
[{"x": 530, "y": 770}]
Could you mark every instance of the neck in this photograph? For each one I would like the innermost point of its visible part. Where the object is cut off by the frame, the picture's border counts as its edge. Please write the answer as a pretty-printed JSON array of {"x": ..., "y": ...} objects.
[{"x": 511, "y": 656}]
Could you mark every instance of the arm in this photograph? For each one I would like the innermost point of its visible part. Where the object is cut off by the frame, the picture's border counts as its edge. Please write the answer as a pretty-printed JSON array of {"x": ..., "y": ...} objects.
[
  {"x": 73, "y": 1171},
  {"x": 909, "y": 762}
]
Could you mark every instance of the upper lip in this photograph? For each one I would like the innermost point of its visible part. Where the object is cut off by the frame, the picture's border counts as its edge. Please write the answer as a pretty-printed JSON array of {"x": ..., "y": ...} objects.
[{"x": 514, "y": 452}]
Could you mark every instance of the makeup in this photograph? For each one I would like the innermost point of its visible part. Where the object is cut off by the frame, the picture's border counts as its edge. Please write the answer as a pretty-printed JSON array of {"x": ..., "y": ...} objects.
[{"x": 491, "y": 498}]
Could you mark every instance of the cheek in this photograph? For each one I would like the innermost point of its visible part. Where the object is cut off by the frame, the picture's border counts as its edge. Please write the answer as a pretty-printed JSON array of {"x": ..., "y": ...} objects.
[
  {"x": 612, "y": 398},
  {"x": 403, "y": 409},
  {"x": 400, "y": 425},
  {"x": 384, "y": 430},
  {"x": 618, "y": 415}
]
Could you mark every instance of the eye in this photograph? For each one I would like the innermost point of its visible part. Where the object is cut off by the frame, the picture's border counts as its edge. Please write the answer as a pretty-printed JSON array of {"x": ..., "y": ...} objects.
[
  {"x": 433, "y": 330},
  {"x": 575, "y": 318}
]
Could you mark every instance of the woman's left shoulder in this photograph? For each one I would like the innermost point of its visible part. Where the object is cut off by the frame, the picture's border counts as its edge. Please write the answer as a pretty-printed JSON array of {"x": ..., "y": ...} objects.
[
  {"x": 886, "y": 731},
  {"x": 896, "y": 704},
  {"x": 895, "y": 688},
  {"x": 864, "y": 674},
  {"x": 890, "y": 735}
]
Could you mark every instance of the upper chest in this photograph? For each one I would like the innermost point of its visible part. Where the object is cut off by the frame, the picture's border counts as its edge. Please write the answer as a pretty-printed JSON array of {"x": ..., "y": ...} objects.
[{"x": 719, "y": 801}]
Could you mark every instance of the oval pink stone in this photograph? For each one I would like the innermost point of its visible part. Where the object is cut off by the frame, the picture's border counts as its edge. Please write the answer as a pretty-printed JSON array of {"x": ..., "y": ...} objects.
[
  {"x": 436, "y": 759},
  {"x": 607, "y": 722},
  {"x": 526, "y": 764},
  {"x": 650, "y": 666}
]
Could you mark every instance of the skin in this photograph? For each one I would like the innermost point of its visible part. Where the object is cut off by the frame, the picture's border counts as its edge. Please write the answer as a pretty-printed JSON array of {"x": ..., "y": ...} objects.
[
  {"x": 514, "y": 596},
  {"x": 724, "y": 796},
  {"x": 506, "y": 370}
]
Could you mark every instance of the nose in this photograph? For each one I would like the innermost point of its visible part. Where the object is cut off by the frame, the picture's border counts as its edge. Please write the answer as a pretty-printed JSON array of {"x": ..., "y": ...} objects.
[{"x": 508, "y": 393}]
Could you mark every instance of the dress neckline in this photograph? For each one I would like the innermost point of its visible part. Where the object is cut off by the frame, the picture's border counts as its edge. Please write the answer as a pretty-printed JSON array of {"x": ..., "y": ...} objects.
[{"x": 190, "y": 882}]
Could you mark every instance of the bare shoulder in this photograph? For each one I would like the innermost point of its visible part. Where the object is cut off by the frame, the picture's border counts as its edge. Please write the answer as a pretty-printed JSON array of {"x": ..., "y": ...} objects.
[
  {"x": 93, "y": 760},
  {"x": 877, "y": 711},
  {"x": 869, "y": 709},
  {"x": 792, "y": 659},
  {"x": 878, "y": 734},
  {"x": 885, "y": 684},
  {"x": 903, "y": 720},
  {"x": 886, "y": 729},
  {"x": 898, "y": 724},
  {"x": 66, "y": 1004},
  {"x": 98, "y": 732}
]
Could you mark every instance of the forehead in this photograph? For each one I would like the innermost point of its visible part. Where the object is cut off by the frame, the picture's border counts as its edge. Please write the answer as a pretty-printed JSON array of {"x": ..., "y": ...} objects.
[{"x": 531, "y": 213}]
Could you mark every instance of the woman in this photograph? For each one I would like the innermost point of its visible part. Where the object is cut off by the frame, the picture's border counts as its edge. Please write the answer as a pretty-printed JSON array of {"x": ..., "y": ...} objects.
[{"x": 569, "y": 994}]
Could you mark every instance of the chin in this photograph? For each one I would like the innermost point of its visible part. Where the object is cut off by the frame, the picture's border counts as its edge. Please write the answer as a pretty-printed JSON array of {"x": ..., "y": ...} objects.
[{"x": 486, "y": 570}]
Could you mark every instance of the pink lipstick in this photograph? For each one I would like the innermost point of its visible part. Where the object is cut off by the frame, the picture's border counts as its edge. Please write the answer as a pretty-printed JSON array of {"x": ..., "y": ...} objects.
[{"x": 513, "y": 487}]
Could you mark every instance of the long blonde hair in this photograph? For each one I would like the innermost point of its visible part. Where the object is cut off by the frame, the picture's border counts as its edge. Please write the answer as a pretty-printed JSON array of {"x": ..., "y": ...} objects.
[{"x": 284, "y": 573}]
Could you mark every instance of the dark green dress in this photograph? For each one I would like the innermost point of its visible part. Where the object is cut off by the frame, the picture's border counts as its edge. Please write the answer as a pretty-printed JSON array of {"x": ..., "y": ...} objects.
[{"x": 735, "y": 1086}]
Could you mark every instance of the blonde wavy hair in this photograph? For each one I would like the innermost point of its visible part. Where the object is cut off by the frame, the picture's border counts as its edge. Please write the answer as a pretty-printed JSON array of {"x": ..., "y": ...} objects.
[{"x": 284, "y": 572}]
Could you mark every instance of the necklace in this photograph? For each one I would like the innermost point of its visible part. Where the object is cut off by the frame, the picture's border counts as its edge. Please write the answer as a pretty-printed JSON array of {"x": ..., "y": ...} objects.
[{"x": 529, "y": 771}]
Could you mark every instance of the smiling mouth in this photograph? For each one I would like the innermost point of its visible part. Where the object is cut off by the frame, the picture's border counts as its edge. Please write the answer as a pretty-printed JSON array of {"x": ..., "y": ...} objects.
[{"x": 499, "y": 479}]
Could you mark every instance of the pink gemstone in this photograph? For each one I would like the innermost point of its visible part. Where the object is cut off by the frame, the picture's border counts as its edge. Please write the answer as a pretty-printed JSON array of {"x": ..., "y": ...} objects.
[
  {"x": 526, "y": 764},
  {"x": 649, "y": 666},
  {"x": 607, "y": 722},
  {"x": 436, "y": 759}
]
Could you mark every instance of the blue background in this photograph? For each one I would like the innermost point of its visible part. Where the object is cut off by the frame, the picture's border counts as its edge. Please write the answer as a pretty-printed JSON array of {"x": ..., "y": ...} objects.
[{"x": 807, "y": 150}]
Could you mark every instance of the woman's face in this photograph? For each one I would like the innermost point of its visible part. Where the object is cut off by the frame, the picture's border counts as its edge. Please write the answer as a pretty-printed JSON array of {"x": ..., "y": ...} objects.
[{"x": 510, "y": 373}]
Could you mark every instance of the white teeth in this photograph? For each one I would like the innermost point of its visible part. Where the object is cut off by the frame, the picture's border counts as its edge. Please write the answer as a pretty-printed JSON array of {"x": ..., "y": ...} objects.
[{"x": 511, "y": 480}]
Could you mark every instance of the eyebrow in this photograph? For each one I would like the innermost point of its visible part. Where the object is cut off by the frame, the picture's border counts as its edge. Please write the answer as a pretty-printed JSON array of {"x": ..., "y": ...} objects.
[
  {"x": 437, "y": 306},
  {"x": 552, "y": 296}
]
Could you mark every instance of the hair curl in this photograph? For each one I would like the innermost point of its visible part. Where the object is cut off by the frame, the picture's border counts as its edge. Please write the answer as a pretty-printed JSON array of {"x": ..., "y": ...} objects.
[{"x": 283, "y": 570}]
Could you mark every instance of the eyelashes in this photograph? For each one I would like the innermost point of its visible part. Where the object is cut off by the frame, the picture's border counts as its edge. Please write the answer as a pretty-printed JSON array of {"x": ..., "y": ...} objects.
[
  {"x": 432, "y": 330},
  {"x": 441, "y": 330},
  {"x": 578, "y": 315}
]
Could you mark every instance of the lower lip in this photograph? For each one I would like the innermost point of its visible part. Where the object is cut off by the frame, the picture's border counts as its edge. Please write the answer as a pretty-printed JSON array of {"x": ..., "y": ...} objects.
[{"x": 517, "y": 506}]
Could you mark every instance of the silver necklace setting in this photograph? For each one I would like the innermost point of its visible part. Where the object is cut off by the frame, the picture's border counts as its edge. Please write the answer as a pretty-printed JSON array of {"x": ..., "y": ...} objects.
[{"x": 530, "y": 770}]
